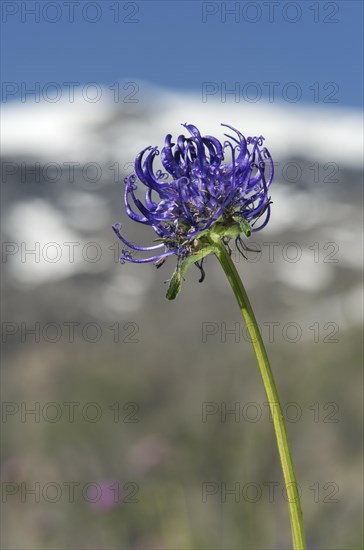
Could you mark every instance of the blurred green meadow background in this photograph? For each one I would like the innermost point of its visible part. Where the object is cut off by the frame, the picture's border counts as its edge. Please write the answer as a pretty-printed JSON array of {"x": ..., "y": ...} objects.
[{"x": 130, "y": 422}]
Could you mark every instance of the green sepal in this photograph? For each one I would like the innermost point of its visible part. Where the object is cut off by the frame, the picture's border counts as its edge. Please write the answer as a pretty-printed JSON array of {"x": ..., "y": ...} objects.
[
  {"x": 177, "y": 277},
  {"x": 232, "y": 228},
  {"x": 244, "y": 226}
]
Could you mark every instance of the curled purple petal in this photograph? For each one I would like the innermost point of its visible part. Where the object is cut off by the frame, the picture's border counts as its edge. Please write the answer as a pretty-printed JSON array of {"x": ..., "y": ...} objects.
[
  {"x": 126, "y": 256},
  {"x": 117, "y": 227}
]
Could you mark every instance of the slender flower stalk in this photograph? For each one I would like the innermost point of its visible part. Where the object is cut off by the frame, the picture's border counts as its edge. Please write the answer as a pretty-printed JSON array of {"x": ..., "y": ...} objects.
[
  {"x": 195, "y": 208},
  {"x": 271, "y": 391}
]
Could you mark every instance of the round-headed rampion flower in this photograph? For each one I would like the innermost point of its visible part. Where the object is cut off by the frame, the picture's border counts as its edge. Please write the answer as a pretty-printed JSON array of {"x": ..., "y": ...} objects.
[{"x": 199, "y": 192}]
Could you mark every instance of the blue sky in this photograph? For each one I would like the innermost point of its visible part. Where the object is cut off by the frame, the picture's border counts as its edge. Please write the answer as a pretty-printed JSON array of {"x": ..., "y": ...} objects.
[{"x": 180, "y": 45}]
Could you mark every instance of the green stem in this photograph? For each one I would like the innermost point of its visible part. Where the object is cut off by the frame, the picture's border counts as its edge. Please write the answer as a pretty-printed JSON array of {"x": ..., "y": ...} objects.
[{"x": 271, "y": 391}]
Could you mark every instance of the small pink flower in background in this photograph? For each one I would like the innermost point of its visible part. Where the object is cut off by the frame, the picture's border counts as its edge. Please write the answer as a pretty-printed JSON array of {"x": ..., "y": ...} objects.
[
  {"x": 14, "y": 469},
  {"x": 147, "y": 453},
  {"x": 105, "y": 495}
]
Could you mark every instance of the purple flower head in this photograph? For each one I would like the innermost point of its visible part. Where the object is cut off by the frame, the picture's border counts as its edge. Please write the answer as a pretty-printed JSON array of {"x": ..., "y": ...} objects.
[{"x": 201, "y": 190}]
